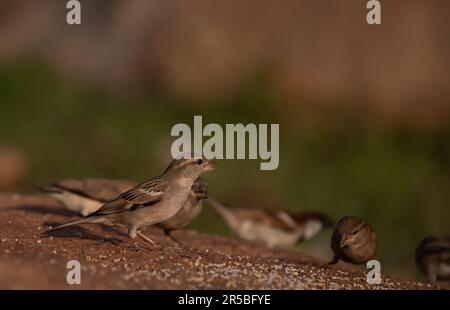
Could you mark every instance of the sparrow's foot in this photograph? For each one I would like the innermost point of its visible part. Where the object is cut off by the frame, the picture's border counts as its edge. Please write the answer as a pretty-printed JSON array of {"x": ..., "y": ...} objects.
[
  {"x": 329, "y": 264},
  {"x": 431, "y": 275},
  {"x": 149, "y": 240},
  {"x": 136, "y": 247}
]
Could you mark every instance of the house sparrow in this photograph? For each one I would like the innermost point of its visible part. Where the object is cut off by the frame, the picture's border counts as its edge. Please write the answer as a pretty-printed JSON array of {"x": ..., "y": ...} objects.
[
  {"x": 86, "y": 196},
  {"x": 151, "y": 202},
  {"x": 274, "y": 229},
  {"x": 433, "y": 258},
  {"x": 190, "y": 210},
  {"x": 353, "y": 241}
]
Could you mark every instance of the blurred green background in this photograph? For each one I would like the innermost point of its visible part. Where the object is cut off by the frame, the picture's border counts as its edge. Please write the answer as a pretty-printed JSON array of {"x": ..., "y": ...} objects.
[{"x": 346, "y": 153}]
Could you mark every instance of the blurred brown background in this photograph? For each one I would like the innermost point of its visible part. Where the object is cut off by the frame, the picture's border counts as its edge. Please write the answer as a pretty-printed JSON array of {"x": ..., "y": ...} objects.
[{"x": 316, "y": 50}]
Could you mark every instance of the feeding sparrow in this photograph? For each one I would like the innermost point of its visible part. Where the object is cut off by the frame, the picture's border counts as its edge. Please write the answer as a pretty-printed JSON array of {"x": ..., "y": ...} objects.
[
  {"x": 151, "y": 202},
  {"x": 433, "y": 258},
  {"x": 353, "y": 241},
  {"x": 86, "y": 196},
  {"x": 273, "y": 228},
  {"x": 190, "y": 210}
]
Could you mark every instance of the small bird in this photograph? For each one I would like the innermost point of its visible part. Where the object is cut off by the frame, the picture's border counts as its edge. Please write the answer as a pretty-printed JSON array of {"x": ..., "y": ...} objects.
[
  {"x": 190, "y": 210},
  {"x": 353, "y": 241},
  {"x": 86, "y": 196},
  {"x": 151, "y": 202},
  {"x": 272, "y": 228},
  {"x": 433, "y": 258}
]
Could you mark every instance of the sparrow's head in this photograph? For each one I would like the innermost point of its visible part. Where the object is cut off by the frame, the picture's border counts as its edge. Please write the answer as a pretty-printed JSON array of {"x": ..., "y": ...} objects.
[
  {"x": 200, "y": 188},
  {"x": 190, "y": 167},
  {"x": 352, "y": 231}
]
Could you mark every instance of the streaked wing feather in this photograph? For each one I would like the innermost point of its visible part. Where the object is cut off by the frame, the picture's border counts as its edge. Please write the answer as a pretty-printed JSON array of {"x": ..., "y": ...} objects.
[
  {"x": 145, "y": 193},
  {"x": 287, "y": 220},
  {"x": 263, "y": 216}
]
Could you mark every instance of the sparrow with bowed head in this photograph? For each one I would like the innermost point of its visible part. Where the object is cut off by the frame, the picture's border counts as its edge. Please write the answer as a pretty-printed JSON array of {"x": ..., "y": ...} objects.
[
  {"x": 85, "y": 196},
  {"x": 190, "y": 210},
  {"x": 272, "y": 228},
  {"x": 353, "y": 241},
  {"x": 151, "y": 202},
  {"x": 433, "y": 258}
]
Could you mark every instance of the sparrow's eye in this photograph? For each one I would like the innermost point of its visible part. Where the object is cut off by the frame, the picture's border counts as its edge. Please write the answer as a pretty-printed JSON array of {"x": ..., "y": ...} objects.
[
  {"x": 199, "y": 161},
  {"x": 355, "y": 232}
]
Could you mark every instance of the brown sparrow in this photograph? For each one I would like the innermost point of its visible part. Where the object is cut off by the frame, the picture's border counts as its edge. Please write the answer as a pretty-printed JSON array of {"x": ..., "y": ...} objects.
[
  {"x": 190, "y": 210},
  {"x": 151, "y": 202},
  {"x": 274, "y": 229},
  {"x": 433, "y": 258},
  {"x": 353, "y": 241},
  {"x": 86, "y": 196}
]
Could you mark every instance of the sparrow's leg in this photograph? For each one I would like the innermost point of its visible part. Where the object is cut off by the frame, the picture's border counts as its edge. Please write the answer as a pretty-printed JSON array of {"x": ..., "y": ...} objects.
[
  {"x": 431, "y": 274},
  {"x": 333, "y": 262},
  {"x": 167, "y": 233},
  {"x": 149, "y": 240},
  {"x": 132, "y": 232}
]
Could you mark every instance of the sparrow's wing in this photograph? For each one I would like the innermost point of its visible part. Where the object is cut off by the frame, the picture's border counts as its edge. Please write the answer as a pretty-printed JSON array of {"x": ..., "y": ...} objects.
[
  {"x": 287, "y": 220},
  {"x": 301, "y": 218},
  {"x": 263, "y": 216},
  {"x": 438, "y": 246},
  {"x": 102, "y": 190},
  {"x": 143, "y": 195}
]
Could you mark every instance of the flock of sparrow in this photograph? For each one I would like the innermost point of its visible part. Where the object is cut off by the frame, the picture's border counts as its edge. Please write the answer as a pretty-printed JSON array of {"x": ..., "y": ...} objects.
[{"x": 174, "y": 199}]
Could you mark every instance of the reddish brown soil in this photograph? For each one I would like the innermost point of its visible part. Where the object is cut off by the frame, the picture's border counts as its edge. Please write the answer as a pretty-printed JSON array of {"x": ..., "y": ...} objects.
[{"x": 110, "y": 260}]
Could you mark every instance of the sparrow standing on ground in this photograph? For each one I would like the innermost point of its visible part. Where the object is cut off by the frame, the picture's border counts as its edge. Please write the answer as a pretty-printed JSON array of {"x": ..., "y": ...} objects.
[
  {"x": 274, "y": 229},
  {"x": 433, "y": 258},
  {"x": 86, "y": 196},
  {"x": 353, "y": 241},
  {"x": 151, "y": 202}
]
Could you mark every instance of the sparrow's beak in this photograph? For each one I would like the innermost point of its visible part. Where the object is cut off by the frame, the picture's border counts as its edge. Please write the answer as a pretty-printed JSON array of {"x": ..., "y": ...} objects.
[
  {"x": 211, "y": 165},
  {"x": 345, "y": 241}
]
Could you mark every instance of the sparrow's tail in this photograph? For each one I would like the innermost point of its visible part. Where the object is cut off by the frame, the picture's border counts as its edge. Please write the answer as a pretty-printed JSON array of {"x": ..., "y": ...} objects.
[
  {"x": 223, "y": 211},
  {"x": 93, "y": 219}
]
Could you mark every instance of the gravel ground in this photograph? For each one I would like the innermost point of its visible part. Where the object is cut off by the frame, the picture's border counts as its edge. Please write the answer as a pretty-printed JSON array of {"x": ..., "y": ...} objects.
[{"x": 110, "y": 260}]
